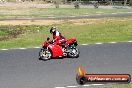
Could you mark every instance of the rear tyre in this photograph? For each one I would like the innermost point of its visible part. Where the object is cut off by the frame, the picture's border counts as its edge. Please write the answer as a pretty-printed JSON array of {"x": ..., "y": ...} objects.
[
  {"x": 73, "y": 52},
  {"x": 45, "y": 54}
]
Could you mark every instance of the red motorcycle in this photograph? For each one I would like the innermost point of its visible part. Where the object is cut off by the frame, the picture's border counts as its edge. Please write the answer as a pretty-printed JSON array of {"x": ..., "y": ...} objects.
[{"x": 50, "y": 50}]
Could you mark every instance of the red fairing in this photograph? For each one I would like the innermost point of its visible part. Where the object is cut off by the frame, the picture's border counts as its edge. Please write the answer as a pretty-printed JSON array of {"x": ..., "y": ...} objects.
[
  {"x": 70, "y": 41},
  {"x": 56, "y": 50},
  {"x": 45, "y": 44}
]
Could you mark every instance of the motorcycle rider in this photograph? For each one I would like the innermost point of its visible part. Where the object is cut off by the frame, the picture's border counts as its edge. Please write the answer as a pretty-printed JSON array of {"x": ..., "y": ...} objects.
[{"x": 57, "y": 37}]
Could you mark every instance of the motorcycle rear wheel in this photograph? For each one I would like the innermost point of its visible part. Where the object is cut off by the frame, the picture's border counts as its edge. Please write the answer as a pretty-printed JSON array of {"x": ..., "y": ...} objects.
[
  {"x": 74, "y": 53},
  {"x": 45, "y": 54}
]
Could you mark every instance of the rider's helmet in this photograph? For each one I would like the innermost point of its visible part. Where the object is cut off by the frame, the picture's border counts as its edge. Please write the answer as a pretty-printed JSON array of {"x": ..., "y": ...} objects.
[{"x": 52, "y": 30}]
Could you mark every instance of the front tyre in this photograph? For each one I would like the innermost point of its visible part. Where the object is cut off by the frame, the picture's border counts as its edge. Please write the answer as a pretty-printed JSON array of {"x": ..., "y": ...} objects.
[
  {"x": 73, "y": 52},
  {"x": 45, "y": 54}
]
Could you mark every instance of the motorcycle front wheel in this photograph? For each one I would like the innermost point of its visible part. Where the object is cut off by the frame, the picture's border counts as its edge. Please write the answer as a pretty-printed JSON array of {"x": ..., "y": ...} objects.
[{"x": 45, "y": 54}]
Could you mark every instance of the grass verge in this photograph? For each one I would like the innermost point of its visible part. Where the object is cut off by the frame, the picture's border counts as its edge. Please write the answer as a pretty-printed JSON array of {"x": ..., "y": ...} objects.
[{"x": 87, "y": 31}]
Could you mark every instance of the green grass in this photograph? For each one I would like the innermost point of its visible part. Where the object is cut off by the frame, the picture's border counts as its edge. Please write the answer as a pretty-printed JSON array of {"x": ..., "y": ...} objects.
[
  {"x": 101, "y": 31},
  {"x": 3, "y": 33},
  {"x": 13, "y": 12}
]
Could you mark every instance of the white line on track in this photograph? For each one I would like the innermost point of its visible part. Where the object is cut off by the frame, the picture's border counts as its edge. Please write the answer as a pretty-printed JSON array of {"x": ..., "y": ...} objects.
[
  {"x": 22, "y": 48},
  {"x": 86, "y": 85},
  {"x": 129, "y": 12},
  {"x": 129, "y": 41},
  {"x": 97, "y": 84},
  {"x": 84, "y": 44},
  {"x": 36, "y": 47},
  {"x": 72, "y": 86},
  {"x": 112, "y": 42},
  {"x": 4, "y": 49},
  {"x": 99, "y": 43}
]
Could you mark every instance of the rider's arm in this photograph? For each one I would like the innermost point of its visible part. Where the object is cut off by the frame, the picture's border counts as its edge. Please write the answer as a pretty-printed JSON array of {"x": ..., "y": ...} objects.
[{"x": 56, "y": 38}]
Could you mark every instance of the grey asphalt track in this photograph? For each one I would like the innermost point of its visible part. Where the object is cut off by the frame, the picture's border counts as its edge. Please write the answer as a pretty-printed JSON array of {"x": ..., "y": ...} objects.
[
  {"x": 22, "y": 69},
  {"x": 129, "y": 14}
]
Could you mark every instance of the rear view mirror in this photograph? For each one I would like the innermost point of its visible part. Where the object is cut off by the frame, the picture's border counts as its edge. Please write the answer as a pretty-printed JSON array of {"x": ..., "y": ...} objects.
[{"x": 48, "y": 39}]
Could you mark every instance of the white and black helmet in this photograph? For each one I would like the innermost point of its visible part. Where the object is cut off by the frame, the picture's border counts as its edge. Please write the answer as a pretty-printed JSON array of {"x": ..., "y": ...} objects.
[{"x": 52, "y": 30}]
